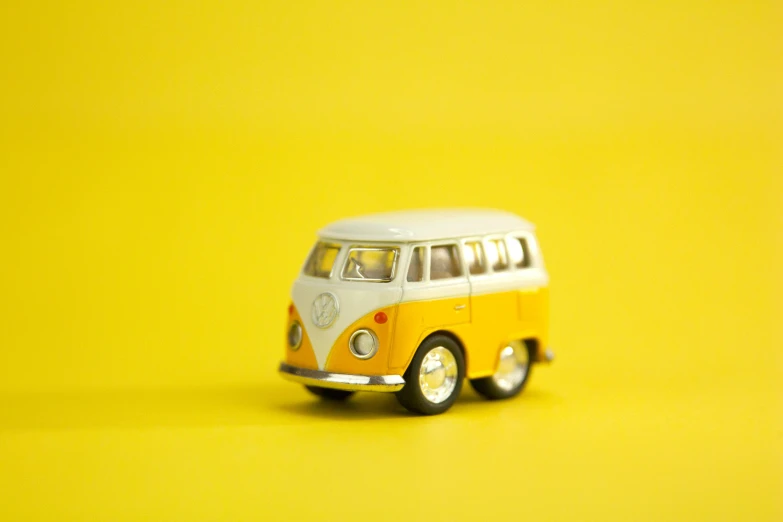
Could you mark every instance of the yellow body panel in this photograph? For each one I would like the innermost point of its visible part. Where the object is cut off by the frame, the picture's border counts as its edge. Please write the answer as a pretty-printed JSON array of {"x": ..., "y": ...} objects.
[
  {"x": 533, "y": 309},
  {"x": 341, "y": 360},
  {"x": 483, "y": 327},
  {"x": 441, "y": 313},
  {"x": 417, "y": 319},
  {"x": 495, "y": 318}
]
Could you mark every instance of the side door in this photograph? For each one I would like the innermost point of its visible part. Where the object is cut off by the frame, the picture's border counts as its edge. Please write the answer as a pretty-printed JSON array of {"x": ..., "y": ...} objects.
[
  {"x": 436, "y": 294},
  {"x": 441, "y": 289}
]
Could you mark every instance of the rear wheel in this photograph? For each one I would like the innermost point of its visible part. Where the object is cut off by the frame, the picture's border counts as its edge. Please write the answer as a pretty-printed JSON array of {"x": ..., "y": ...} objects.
[
  {"x": 513, "y": 370},
  {"x": 329, "y": 393},
  {"x": 434, "y": 378}
]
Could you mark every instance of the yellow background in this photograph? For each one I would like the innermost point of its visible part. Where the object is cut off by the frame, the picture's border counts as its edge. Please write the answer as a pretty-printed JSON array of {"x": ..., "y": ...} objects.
[{"x": 163, "y": 169}]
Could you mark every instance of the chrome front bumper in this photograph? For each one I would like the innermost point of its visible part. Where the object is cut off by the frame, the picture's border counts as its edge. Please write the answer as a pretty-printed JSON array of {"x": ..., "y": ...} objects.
[{"x": 342, "y": 381}]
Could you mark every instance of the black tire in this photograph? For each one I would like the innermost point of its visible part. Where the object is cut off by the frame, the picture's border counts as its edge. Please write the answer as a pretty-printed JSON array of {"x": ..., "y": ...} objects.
[
  {"x": 411, "y": 395},
  {"x": 488, "y": 387},
  {"x": 329, "y": 393}
]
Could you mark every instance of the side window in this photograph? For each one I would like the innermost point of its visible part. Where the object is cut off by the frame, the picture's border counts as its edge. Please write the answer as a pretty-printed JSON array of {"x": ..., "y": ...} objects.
[
  {"x": 497, "y": 255},
  {"x": 474, "y": 257},
  {"x": 445, "y": 262},
  {"x": 416, "y": 267},
  {"x": 518, "y": 252}
]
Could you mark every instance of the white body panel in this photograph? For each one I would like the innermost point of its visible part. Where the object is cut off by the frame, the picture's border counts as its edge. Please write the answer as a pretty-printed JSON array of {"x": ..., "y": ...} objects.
[
  {"x": 425, "y": 225},
  {"x": 518, "y": 280},
  {"x": 441, "y": 289},
  {"x": 354, "y": 300}
]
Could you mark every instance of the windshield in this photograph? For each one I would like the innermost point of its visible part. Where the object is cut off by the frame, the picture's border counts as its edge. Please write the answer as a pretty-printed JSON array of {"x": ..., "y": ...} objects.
[
  {"x": 321, "y": 260},
  {"x": 372, "y": 264}
]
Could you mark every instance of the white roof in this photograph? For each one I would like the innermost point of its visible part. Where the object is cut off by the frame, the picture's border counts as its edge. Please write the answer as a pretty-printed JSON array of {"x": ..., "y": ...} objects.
[{"x": 425, "y": 225}]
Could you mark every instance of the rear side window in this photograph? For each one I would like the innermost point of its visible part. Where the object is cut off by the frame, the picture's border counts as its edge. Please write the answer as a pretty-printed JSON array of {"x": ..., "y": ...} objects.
[
  {"x": 518, "y": 252},
  {"x": 321, "y": 260},
  {"x": 444, "y": 262},
  {"x": 497, "y": 255},
  {"x": 474, "y": 257},
  {"x": 416, "y": 267}
]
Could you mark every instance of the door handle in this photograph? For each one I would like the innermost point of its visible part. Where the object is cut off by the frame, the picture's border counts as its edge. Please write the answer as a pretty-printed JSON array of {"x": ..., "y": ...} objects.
[{"x": 459, "y": 307}]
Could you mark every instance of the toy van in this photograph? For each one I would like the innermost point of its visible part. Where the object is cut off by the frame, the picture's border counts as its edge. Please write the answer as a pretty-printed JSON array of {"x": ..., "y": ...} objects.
[{"x": 415, "y": 302}]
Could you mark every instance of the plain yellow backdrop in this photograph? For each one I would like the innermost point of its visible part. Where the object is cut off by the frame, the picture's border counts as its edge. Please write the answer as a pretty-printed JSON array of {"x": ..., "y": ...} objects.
[{"x": 163, "y": 169}]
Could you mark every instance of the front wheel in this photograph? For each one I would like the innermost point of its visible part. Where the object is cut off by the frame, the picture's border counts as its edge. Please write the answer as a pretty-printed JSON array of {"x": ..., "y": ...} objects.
[
  {"x": 434, "y": 378},
  {"x": 329, "y": 393},
  {"x": 511, "y": 375}
]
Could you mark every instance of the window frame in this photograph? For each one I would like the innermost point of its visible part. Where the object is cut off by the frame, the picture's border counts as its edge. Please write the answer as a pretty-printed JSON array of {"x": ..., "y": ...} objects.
[
  {"x": 425, "y": 267},
  {"x": 503, "y": 239},
  {"x": 534, "y": 251},
  {"x": 370, "y": 248},
  {"x": 480, "y": 240},
  {"x": 450, "y": 242},
  {"x": 528, "y": 249},
  {"x": 427, "y": 280}
]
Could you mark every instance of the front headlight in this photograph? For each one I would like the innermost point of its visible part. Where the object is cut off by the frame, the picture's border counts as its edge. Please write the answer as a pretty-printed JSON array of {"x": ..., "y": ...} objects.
[
  {"x": 295, "y": 335},
  {"x": 363, "y": 343}
]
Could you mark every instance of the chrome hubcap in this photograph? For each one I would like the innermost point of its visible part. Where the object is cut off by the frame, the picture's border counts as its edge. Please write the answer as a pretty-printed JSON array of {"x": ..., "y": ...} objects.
[
  {"x": 512, "y": 366},
  {"x": 438, "y": 375}
]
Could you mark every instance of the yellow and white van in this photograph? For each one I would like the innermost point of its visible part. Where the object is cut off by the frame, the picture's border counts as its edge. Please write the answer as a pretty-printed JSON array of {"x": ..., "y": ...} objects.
[{"x": 414, "y": 302}]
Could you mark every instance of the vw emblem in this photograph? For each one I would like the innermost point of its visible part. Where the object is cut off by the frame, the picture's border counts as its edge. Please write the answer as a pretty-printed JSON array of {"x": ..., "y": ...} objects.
[{"x": 325, "y": 310}]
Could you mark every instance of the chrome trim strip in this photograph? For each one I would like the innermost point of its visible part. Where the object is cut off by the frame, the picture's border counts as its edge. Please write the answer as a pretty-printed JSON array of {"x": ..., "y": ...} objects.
[{"x": 342, "y": 381}]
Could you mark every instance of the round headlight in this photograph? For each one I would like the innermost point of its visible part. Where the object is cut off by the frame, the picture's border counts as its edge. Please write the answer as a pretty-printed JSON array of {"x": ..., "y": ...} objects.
[
  {"x": 295, "y": 335},
  {"x": 363, "y": 343}
]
